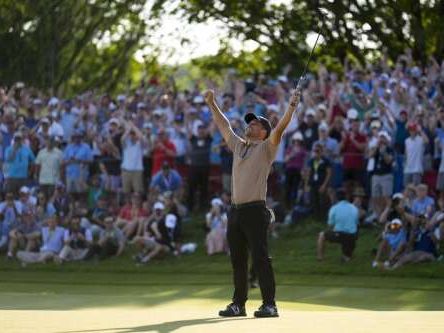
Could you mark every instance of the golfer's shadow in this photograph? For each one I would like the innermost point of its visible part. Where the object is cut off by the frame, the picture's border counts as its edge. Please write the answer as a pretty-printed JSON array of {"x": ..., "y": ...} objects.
[{"x": 165, "y": 327}]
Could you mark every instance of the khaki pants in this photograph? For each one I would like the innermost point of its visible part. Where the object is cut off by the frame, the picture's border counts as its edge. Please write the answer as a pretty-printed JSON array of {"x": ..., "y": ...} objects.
[
  {"x": 132, "y": 181},
  {"x": 68, "y": 253},
  {"x": 34, "y": 257}
]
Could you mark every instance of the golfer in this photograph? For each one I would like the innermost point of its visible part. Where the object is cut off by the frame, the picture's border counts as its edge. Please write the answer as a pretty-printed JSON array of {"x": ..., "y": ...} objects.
[{"x": 249, "y": 218}]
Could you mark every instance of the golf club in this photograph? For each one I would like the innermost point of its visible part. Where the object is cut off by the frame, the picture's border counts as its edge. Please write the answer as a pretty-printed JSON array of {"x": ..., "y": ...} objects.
[{"x": 296, "y": 84}]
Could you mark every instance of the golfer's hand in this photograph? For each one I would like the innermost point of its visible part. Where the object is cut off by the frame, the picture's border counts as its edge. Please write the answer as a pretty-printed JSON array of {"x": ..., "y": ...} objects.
[
  {"x": 209, "y": 96},
  {"x": 295, "y": 97}
]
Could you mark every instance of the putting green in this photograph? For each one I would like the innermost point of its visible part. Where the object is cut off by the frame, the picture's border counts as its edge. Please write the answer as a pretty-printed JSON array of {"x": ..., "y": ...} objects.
[{"x": 121, "y": 309}]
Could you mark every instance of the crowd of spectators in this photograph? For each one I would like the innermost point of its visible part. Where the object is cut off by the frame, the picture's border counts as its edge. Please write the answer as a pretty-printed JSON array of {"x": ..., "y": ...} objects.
[{"x": 90, "y": 175}]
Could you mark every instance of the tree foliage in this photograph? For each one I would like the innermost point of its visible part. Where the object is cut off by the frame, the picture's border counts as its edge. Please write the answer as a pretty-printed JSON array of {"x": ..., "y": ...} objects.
[
  {"x": 356, "y": 28},
  {"x": 71, "y": 44}
]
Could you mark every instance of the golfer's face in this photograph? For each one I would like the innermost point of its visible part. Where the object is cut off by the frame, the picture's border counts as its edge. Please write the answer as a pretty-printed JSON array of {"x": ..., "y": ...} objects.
[{"x": 254, "y": 129}]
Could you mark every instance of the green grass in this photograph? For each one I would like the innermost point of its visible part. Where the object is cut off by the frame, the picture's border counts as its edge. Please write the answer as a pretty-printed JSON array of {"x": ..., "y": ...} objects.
[{"x": 299, "y": 276}]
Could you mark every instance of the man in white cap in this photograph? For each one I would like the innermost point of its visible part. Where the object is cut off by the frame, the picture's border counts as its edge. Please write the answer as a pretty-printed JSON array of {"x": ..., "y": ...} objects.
[
  {"x": 249, "y": 217},
  {"x": 393, "y": 244}
]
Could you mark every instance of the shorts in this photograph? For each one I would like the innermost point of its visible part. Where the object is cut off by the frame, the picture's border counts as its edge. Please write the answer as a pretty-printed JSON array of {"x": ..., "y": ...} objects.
[
  {"x": 347, "y": 241},
  {"x": 382, "y": 186},
  {"x": 76, "y": 186},
  {"x": 412, "y": 178},
  {"x": 132, "y": 181},
  {"x": 111, "y": 183}
]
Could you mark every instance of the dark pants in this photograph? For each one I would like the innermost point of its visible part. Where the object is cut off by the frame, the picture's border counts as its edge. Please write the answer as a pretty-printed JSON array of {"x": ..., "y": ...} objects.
[
  {"x": 293, "y": 177},
  {"x": 247, "y": 229},
  {"x": 198, "y": 181},
  {"x": 347, "y": 241}
]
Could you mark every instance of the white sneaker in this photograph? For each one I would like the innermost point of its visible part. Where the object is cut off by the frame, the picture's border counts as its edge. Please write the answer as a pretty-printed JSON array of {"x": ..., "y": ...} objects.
[{"x": 375, "y": 264}]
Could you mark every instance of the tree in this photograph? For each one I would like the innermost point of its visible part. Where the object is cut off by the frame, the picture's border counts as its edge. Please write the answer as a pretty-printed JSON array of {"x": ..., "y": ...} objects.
[{"x": 68, "y": 44}]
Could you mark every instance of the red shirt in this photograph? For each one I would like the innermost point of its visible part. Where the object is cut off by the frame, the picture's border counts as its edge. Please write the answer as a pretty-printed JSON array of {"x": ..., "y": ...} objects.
[
  {"x": 353, "y": 157},
  {"x": 128, "y": 213},
  {"x": 160, "y": 156}
]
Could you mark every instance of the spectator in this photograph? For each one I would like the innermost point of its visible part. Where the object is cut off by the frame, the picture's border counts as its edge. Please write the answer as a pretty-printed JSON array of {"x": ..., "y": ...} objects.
[
  {"x": 382, "y": 173},
  {"x": 49, "y": 162},
  {"x": 423, "y": 204},
  {"x": 199, "y": 169},
  {"x": 18, "y": 159},
  {"x": 111, "y": 155},
  {"x": 320, "y": 174},
  {"x": 397, "y": 209},
  {"x": 111, "y": 240},
  {"x": 60, "y": 200},
  {"x": 77, "y": 242},
  {"x": 164, "y": 151},
  {"x": 44, "y": 208},
  {"x": 216, "y": 224},
  {"x": 309, "y": 129},
  {"x": 414, "y": 151},
  {"x": 393, "y": 244},
  {"x": 352, "y": 146},
  {"x": 132, "y": 166},
  {"x": 422, "y": 245},
  {"x": 295, "y": 158},
  {"x": 161, "y": 238},
  {"x": 166, "y": 180},
  {"x": 4, "y": 236},
  {"x": 343, "y": 218},
  {"x": 52, "y": 243},
  {"x": 25, "y": 235},
  {"x": 77, "y": 157},
  {"x": 131, "y": 216}
]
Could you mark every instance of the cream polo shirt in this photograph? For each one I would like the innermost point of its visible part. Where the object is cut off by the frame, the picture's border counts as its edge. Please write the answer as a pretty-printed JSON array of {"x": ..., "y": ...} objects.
[{"x": 251, "y": 166}]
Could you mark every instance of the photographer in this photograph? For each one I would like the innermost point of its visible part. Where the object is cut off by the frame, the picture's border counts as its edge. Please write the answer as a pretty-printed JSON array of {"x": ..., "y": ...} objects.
[
  {"x": 397, "y": 209},
  {"x": 393, "y": 244},
  {"x": 382, "y": 179}
]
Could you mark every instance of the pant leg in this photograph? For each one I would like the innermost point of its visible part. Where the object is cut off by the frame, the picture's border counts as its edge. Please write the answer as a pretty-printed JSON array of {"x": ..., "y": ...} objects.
[
  {"x": 255, "y": 222},
  {"x": 193, "y": 181},
  {"x": 204, "y": 175},
  {"x": 239, "y": 257},
  {"x": 66, "y": 252}
]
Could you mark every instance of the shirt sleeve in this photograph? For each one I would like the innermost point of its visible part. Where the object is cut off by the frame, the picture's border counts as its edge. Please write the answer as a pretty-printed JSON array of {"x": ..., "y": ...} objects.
[
  {"x": 233, "y": 140},
  {"x": 331, "y": 214},
  {"x": 271, "y": 149},
  {"x": 88, "y": 235}
]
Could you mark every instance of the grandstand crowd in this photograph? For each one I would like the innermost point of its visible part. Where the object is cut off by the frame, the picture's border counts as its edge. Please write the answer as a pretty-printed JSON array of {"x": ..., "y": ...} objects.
[{"x": 92, "y": 175}]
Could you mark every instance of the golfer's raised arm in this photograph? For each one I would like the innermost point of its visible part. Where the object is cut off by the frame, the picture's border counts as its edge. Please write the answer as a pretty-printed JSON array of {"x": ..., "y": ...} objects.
[
  {"x": 276, "y": 133},
  {"x": 219, "y": 118}
]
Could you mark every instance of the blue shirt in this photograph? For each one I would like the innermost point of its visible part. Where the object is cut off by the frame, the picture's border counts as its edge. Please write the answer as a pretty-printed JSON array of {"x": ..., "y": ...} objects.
[
  {"x": 170, "y": 183},
  {"x": 52, "y": 239},
  {"x": 4, "y": 230},
  {"x": 395, "y": 240},
  {"x": 67, "y": 121},
  {"x": 419, "y": 206},
  {"x": 424, "y": 241},
  {"x": 80, "y": 152},
  {"x": 16, "y": 166},
  {"x": 344, "y": 217}
]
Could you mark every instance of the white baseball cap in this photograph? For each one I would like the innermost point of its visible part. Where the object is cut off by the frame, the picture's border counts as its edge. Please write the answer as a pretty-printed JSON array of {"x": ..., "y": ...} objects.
[
  {"x": 323, "y": 126},
  {"x": 121, "y": 98},
  {"x": 198, "y": 99},
  {"x": 310, "y": 112},
  {"x": 25, "y": 189},
  {"x": 53, "y": 101},
  {"x": 217, "y": 202},
  {"x": 159, "y": 205},
  {"x": 398, "y": 196},
  {"x": 297, "y": 136},
  {"x": 352, "y": 114},
  {"x": 396, "y": 221}
]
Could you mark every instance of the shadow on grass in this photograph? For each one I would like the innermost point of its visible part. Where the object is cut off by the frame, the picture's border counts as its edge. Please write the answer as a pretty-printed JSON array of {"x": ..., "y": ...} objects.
[
  {"x": 164, "y": 327},
  {"x": 303, "y": 298}
]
